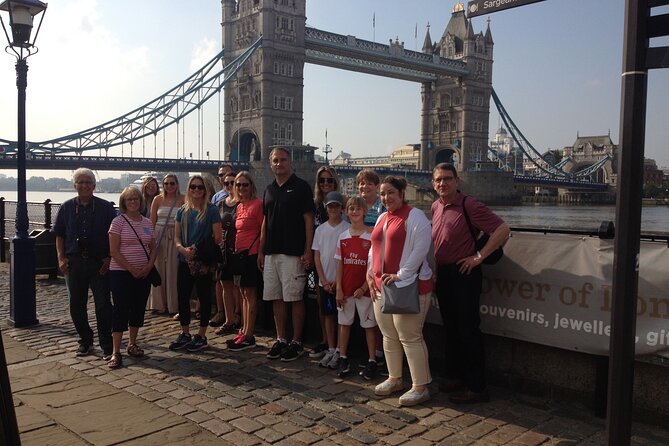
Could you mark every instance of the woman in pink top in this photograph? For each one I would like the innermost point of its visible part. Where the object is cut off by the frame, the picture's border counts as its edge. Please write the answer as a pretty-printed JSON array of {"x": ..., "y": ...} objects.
[
  {"x": 407, "y": 243},
  {"x": 246, "y": 273},
  {"x": 133, "y": 253}
]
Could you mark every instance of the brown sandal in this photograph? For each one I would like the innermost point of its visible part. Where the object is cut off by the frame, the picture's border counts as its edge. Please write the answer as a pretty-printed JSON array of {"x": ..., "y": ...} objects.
[
  {"x": 135, "y": 351},
  {"x": 116, "y": 361}
]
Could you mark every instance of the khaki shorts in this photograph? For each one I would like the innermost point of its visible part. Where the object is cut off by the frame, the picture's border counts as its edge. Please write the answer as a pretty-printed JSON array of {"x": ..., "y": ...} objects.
[
  {"x": 284, "y": 278},
  {"x": 365, "y": 308}
]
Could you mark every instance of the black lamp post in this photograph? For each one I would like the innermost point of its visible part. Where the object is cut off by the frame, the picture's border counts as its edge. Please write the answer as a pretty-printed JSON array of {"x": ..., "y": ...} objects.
[{"x": 22, "y": 267}]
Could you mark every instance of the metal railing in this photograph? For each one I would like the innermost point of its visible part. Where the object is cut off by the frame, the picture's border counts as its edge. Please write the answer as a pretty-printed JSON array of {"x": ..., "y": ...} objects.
[{"x": 40, "y": 216}]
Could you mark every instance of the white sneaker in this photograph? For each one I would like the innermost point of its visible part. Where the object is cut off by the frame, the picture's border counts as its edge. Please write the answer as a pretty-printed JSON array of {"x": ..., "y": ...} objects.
[
  {"x": 334, "y": 362},
  {"x": 389, "y": 386},
  {"x": 326, "y": 359},
  {"x": 413, "y": 397}
]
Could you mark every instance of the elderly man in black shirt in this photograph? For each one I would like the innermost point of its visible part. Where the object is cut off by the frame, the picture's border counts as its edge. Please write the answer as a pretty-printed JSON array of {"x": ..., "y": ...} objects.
[
  {"x": 285, "y": 250},
  {"x": 82, "y": 245}
]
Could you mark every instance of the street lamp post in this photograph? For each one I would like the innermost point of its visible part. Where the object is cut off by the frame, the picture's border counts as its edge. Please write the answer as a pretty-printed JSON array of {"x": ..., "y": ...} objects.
[{"x": 22, "y": 266}]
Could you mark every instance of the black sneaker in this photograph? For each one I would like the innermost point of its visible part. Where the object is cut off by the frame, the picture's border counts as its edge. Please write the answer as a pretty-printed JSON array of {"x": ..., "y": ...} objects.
[
  {"x": 380, "y": 361},
  {"x": 198, "y": 343},
  {"x": 243, "y": 344},
  {"x": 343, "y": 367},
  {"x": 293, "y": 352},
  {"x": 318, "y": 351},
  {"x": 181, "y": 341},
  {"x": 107, "y": 354},
  {"x": 84, "y": 350},
  {"x": 370, "y": 370},
  {"x": 277, "y": 350}
]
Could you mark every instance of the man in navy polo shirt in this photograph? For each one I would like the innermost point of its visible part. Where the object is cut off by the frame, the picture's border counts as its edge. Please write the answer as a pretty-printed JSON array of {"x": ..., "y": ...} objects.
[
  {"x": 82, "y": 245},
  {"x": 285, "y": 250}
]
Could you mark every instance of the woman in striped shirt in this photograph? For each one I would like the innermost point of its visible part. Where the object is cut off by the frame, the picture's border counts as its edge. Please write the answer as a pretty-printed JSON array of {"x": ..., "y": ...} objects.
[{"x": 133, "y": 253}]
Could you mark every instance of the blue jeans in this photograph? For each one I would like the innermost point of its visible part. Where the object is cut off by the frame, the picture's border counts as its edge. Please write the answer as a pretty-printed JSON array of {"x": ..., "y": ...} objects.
[{"x": 82, "y": 275}]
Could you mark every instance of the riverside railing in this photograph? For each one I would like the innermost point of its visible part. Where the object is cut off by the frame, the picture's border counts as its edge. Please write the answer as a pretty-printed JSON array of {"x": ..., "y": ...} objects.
[{"x": 40, "y": 216}]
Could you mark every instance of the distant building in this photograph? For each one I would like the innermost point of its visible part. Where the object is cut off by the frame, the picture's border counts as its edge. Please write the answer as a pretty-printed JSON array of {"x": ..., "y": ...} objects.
[
  {"x": 345, "y": 159},
  {"x": 588, "y": 150},
  {"x": 652, "y": 176},
  {"x": 406, "y": 156}
]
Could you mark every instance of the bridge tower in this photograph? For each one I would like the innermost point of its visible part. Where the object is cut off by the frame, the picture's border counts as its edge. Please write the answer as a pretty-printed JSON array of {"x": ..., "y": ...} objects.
[
  {"x": 263, "y": 105},
  {"x": 456, "y": 110}
]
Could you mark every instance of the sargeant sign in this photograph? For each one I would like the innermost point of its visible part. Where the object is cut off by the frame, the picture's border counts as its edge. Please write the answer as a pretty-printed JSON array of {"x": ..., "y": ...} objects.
[{"x": 480, "y": 7}]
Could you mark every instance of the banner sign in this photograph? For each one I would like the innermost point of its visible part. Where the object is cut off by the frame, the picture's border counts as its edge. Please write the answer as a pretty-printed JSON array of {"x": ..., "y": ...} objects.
[
  {"x": 556, "y": 289},
  {"x": 481, "y": 7}
]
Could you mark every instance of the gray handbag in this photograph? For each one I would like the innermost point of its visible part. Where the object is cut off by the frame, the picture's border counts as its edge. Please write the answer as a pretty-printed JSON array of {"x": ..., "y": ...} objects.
[{"x": 403, "y": 300}]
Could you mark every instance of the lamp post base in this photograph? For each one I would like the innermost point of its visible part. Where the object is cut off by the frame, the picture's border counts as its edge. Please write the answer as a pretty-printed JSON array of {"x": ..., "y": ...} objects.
[{"x": 22, "y": 302}]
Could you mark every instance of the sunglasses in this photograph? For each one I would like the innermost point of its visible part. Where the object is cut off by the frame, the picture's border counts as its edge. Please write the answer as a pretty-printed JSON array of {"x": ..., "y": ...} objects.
[
  {"x": 221, "y": 175},
  {"x": 228, "y": 183},
  {"x": 323, "y": 180},
  {"x": 169, "y": 183},
  {"x": 196, "y": 186},
  {"x": 240, "y": 185}
]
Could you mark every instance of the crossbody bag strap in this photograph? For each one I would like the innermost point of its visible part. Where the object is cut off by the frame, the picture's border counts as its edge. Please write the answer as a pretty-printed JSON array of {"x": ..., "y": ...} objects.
[
  {"x": 137, "y": 235},
  {"x": 472, "y": 230}
]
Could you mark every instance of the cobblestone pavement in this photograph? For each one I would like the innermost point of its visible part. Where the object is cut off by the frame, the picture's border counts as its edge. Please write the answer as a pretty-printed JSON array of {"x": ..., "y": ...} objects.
[{"x": 242, "y": 398}]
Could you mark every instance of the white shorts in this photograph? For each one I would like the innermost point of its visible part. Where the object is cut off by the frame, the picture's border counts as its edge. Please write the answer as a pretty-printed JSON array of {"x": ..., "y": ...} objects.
[
  {"x": 365, "y": 308},
  {"x": 284, "y": 278}
]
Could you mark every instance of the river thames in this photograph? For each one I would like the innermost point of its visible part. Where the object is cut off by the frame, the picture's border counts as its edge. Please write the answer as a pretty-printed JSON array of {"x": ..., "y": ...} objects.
[{"x": 544, "y": 216}]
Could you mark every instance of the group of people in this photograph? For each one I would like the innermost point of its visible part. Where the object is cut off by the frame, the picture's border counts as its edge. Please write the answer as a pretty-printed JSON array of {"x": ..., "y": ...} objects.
[{"x": 356, "y": 246}]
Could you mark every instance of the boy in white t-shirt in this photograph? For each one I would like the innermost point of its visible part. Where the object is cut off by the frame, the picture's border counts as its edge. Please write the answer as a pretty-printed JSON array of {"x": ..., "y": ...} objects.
[
  {"x": 352, "y": 289},
  {"x": 324, "y": 245}
]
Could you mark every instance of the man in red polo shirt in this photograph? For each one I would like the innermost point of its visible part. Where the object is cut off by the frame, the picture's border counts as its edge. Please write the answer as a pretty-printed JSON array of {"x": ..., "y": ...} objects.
[{"x": 458, "y": 285}]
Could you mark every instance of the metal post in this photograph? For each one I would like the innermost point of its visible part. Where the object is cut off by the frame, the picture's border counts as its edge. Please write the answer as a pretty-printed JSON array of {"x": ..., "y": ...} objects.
[
  {"x": 628, "y": 224},
  {"x": 9, "y": 434},
  {"x": 22, "y": 308}
]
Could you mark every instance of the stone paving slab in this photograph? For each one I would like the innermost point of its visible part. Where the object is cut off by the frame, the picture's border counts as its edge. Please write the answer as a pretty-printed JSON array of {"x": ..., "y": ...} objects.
[{"x": 242, "y": 398}]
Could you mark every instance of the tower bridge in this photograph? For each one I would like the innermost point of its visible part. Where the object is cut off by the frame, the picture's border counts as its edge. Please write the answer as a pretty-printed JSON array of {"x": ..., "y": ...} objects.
[{"x": 266, "y": 44}]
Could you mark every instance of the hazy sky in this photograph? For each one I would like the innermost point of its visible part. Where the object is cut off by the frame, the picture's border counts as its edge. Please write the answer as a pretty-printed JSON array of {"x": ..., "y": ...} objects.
[{"x": 557, "y": 70}]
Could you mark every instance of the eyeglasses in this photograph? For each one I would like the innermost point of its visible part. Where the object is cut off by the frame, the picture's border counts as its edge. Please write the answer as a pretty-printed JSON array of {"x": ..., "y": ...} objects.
[
  {"x": 169, "y": 183},
  {"x": 84, "y": 182},
  {"x": 241, "y": 185},
  {"x": 443, "y": 179},
  {"x": 196, "y": 186},
  {"x": 228, "y": 183},
  {"x": 323, "y": 180},
  {"x": 132, "y": 199}
]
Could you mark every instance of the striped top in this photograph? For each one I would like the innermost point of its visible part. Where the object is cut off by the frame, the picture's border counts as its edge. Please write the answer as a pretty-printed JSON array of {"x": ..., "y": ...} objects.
[{"x": 130, "y": 247}]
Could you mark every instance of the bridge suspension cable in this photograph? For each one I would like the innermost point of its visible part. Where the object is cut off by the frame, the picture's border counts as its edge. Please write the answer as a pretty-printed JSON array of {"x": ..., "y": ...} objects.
[
  {"x": 150, "y": 118},
  {"x": 549, "y": 169}
]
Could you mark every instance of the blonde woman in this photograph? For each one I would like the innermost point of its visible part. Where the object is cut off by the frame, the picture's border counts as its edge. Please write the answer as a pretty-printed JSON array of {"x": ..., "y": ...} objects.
[
  {"x": 248, "y": 224},
  {"x": 150, "y": 190},
  {"x": 163, "y": 212},
  {"x": 196, "y": 221}
]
